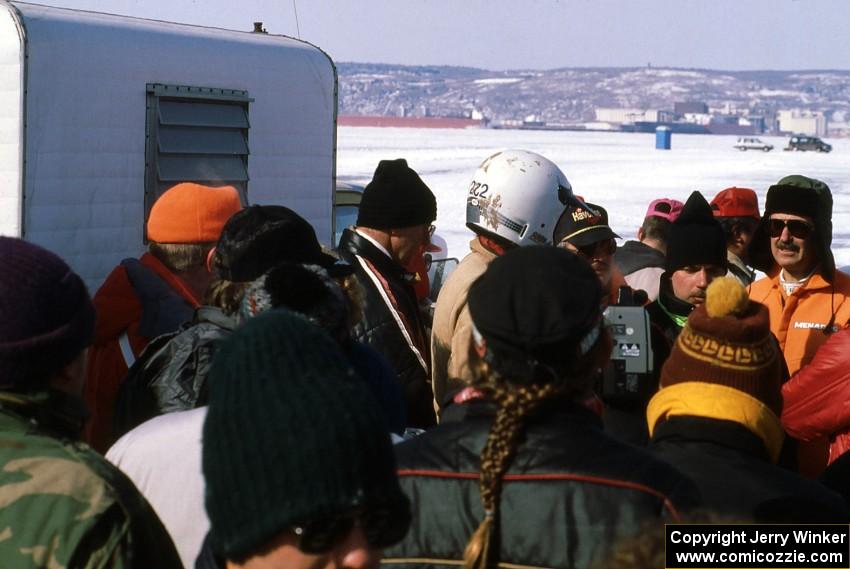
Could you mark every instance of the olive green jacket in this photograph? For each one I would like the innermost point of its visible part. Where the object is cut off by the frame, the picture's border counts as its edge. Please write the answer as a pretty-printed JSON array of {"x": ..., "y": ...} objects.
[{"x": 61, "y": 503}]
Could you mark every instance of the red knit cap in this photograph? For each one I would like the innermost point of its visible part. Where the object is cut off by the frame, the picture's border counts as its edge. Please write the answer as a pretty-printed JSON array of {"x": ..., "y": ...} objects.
[
  {"x": 727, "y": 341},
  {"x": 192, "y": 213}
]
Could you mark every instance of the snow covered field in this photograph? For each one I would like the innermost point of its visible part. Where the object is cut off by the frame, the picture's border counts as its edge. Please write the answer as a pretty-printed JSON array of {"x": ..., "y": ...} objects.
[{"x": 622, "y": 172}]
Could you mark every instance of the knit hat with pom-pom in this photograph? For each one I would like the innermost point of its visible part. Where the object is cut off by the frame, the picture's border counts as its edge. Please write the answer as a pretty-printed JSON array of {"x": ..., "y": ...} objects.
[{"x": 727, "y": 341}]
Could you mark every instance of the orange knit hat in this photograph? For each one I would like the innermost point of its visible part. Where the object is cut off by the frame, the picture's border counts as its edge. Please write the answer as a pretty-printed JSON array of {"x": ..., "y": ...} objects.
[{"x": 192, "y": 213}]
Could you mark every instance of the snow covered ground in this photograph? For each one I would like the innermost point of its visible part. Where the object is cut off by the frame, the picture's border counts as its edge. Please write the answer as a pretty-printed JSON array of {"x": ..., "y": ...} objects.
[{"x": 622, "y": 172}]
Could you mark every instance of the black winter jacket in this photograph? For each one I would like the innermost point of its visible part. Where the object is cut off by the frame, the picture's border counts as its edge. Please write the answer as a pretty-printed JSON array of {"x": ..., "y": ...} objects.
[
  {"x": 730, "y": 466},
  {"x": 391, "y": 323},
  {"x": 170, "y": 374},
  {"x": 569, "y": 495}
]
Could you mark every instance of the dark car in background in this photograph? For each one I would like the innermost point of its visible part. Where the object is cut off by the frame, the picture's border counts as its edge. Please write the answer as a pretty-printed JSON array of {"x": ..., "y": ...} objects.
[{"x": 803, "y": 143}]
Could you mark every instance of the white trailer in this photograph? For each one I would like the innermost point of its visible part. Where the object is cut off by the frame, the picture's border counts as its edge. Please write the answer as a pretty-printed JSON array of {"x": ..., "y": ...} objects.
[{"x": 100, "y": 113}]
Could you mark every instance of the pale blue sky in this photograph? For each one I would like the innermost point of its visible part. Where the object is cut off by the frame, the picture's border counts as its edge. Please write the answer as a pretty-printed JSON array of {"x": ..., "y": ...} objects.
[{"x": 537, "y": 34}]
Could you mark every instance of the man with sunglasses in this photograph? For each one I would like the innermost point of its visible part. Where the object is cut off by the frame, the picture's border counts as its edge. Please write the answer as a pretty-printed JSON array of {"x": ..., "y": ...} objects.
[
  {"x": 297, "y": 459},
  {"x": 394, "y": 225},
  {"x": 807, "y": 297}
]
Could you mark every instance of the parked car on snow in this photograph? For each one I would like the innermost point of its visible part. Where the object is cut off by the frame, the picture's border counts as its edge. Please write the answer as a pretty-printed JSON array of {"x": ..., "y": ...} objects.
[
  {"x": 752, "y": 143},
  {"x": 800, "y": 142}
]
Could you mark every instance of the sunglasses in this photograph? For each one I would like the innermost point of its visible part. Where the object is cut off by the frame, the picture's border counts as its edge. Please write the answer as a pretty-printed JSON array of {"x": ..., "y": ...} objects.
[
  {"x": 607, "y": 247},
  {"x": 321, "y": 535},
  {"x": 796, "y": 227}
]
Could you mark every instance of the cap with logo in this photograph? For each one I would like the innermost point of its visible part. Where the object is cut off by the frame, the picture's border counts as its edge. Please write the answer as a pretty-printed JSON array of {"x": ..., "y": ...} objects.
[{"x": 581, "y": 226}]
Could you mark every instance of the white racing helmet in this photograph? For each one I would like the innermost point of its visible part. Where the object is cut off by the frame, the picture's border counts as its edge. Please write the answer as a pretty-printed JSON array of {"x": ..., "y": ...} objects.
[{"x": 519, "y": 196}]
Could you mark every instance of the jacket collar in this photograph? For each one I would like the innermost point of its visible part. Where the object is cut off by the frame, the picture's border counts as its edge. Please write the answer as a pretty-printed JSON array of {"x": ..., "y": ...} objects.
[
  {"x": 726, "y": 434},
  {"x": 677, "y": 309},
  {"x": 55, "y": 412},
  {"x": 719, "y": 402},
  {"x": 356, "y": 244}
]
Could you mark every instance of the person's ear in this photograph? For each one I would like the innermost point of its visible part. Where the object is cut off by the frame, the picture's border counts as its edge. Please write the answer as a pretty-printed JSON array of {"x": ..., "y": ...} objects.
[{"x": 72, "y": 377}]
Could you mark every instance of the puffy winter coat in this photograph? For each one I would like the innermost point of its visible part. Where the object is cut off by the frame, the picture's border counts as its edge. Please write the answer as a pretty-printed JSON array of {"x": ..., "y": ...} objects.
[
  {"x": 139, "y": 300},
  {"x": 452, "y": 329},
  {"x": 798, "y": 321},
  {"x": 733, "y": 472},
  {"x": 391, "y": 323},
  {"x": 570, "y": 493},
  {"x": 815, "y": 400}
]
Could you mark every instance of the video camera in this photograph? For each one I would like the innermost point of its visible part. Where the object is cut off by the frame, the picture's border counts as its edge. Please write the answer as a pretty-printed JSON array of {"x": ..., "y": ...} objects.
[{"x": 628, "y": 376}]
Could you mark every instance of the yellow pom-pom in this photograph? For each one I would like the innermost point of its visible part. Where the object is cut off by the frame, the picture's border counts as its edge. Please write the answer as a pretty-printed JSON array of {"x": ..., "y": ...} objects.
[{"x": 725, "y": 296}]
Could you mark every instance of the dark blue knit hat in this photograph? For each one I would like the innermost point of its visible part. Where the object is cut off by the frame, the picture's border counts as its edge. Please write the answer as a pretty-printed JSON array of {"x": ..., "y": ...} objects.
[
  {"x": 46, "y": 315},
  {"x": 292, "y": 435}
]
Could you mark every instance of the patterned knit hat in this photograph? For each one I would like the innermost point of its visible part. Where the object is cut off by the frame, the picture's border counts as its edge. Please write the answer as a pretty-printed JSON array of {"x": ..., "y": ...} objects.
[
  {"x": 292, "y": 435},
  {"x": 306, "y": 289},
  {"x": 725, "y": 348},
  {"x": 727, "y": 341},
  {"x": 46, "y": 315}
]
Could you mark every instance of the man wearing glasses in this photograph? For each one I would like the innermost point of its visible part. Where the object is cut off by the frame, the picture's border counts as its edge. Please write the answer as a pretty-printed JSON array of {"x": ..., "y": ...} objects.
[
  {"x": 394, "y": 225},
  {"x": 807, "y": 297},
  {"x": 808, "y": 301}
]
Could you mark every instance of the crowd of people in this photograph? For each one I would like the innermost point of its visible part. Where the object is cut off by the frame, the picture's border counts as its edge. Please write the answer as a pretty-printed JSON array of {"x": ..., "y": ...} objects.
[{"x": 243, "y": 397}]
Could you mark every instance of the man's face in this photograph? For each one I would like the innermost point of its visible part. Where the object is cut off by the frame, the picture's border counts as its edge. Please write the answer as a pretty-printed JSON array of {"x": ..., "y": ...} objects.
[
  {"x": 599, "y": 254},
  {"x": 408, "y": 242},
  {"x": 351, "y": 552},
  {"x": 792, "y": 243},
  {"x": 689, "y": 283}
]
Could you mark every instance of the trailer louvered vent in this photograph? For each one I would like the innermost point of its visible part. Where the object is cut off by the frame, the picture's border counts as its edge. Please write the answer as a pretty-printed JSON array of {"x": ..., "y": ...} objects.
[{"x": 195, "y": 134}]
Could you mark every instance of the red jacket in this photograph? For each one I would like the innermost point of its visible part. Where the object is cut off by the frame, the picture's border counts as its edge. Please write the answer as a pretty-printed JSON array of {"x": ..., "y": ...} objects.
[
  {"x": 817, "y": 399},
  {"x": 119, "y": 306}
]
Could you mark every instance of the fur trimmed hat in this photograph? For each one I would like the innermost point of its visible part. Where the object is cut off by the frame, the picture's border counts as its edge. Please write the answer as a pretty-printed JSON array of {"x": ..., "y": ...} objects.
[
  {"x": 396, "y": 197},
  {"x": 797, "y": 195}
]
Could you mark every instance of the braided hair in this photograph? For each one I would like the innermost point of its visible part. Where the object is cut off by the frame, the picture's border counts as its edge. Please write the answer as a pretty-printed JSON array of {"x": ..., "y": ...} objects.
[{"x": 516, "y": 400}]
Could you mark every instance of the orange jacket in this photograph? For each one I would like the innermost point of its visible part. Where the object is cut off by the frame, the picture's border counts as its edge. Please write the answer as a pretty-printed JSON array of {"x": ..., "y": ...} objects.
[
  {"x": 816, "y": 399},
  {"x": 119, "y": 311},
  {"x": 798, "y": 321}
]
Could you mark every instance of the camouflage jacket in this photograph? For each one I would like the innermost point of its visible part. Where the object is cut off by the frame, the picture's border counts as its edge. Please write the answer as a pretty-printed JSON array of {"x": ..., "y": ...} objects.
[{"x": 61, "y": 503}]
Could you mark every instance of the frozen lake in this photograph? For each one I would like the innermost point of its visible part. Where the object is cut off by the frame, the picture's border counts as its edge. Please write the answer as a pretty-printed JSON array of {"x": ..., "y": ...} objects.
[{"x": 622, "y": 172}]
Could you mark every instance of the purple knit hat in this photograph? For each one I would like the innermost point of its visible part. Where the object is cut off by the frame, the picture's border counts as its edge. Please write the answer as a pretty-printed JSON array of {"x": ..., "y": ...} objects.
[{"x": 46, "y": 315}]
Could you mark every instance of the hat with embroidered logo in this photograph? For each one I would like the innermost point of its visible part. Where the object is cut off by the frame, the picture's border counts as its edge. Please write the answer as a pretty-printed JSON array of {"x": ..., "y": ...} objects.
[
  {"x": 736, "y": 202},
  {"x": 580, "y": 226},
  {"x": 192, "y": 213},
  {"x": 396, "y": 198}
]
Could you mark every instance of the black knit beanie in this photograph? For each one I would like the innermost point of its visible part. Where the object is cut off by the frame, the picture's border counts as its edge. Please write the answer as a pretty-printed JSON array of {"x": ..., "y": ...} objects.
[
  {"x": 537, "y": 304},
  {"x": 696, "y": 237},
  {"x": 260, "y": 236},
  {"x": 292, "y": 435},
  {"x": 46, "y": 315},
  {"x": 395, "y": 198}
]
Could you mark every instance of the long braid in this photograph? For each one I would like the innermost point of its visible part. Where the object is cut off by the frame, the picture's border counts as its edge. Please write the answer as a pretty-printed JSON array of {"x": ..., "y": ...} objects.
[{"x": 515, "y": 403}]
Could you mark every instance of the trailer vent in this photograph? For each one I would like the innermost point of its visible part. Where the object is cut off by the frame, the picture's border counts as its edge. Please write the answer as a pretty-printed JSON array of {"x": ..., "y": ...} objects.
[{"x": 195, "y": 134}]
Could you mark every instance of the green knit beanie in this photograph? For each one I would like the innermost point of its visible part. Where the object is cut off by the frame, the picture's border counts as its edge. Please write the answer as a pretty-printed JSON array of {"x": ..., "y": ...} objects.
[{"x": 292, "y": 435}]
